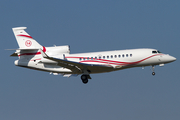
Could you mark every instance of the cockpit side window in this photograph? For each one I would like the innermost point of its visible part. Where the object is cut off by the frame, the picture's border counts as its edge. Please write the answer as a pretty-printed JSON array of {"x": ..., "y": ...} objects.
[
  {"x": 158, "y": 51},
  {"x": 154, "y": 51}
]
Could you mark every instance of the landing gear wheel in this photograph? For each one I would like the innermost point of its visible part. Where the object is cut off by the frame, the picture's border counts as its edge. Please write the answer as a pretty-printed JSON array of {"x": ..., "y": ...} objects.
[
  {"x": 153, "y": 73},
  {"x": 84, "y": 79}
]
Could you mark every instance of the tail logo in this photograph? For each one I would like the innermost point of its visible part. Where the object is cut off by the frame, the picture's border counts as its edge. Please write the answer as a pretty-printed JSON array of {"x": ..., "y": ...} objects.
[{"x": 28, "y": 43}]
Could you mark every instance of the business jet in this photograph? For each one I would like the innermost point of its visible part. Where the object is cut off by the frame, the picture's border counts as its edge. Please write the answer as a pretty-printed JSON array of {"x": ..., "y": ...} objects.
[{"x": 58, "y": 60}]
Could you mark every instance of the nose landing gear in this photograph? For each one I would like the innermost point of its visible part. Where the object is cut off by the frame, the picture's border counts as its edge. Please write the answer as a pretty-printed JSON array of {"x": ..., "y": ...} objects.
[{"x": 153, "y": 67}]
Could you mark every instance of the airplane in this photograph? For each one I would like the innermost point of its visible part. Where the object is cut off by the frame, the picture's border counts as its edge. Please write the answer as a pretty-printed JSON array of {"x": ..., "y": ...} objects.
[{"x": 58, "y": 60}]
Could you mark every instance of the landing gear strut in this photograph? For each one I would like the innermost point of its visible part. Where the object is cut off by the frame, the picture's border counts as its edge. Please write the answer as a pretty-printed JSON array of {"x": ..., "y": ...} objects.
[{"x": 84, "y": 79}]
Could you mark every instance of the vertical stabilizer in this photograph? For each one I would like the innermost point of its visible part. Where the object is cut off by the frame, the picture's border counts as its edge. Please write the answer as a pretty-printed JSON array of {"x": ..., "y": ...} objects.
[{"x": 24, "y": 40}]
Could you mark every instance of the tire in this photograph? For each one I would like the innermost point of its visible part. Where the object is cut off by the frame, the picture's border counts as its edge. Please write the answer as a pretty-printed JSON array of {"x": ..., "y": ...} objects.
[{"x": 84, "y": 79}]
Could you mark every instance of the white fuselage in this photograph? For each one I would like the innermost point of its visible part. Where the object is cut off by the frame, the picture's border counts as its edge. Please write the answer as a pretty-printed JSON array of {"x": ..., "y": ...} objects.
[{"x": 119, "y": 59}]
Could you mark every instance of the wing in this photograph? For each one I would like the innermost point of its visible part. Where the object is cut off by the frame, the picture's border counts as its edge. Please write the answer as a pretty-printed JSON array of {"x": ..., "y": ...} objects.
[{"x": 76, "y": 66}]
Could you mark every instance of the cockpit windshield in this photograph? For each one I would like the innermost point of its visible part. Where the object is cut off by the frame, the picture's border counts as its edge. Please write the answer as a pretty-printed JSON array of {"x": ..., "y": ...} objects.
[{"x": 156, "y": 51}]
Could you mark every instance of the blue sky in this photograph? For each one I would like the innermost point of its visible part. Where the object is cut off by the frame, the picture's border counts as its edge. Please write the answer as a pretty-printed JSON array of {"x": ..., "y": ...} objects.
[{"x": 88, "y": 26}]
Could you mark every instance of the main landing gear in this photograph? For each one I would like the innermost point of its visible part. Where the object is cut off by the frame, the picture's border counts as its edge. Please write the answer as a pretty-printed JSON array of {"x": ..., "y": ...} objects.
[{"x": 85, "y": 78}]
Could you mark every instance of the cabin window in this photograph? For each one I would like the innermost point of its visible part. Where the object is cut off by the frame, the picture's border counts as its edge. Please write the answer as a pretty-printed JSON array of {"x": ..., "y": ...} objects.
[
  {"x": 126, "y": 55},
  {"x": 115, "y": 56},
  {"x": 107, "y": 57},
  {"x": 104, "y": 57},
  {"x": 99, "y": 57},
  {"x": 80, "y": 59},
  {"x": 119, "y": 56},
  {"x": 123, "y": 55},
  {"x": 130, "y": 55},
  {"x": 84, "y": 58},
  {"x": 91, "y": 58},
  {"x": 111, "y": 56},
  {"x": 96, "y": 58}
]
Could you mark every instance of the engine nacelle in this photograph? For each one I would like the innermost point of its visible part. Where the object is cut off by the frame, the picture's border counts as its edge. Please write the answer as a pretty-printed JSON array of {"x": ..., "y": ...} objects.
[
  {"x": 43, "y": 60},
  {"x": 57, "y": 50}
]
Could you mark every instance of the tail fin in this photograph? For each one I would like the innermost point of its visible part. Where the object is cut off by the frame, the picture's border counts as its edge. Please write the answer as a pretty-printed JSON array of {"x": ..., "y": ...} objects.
[{"x": 24, "y": 40}]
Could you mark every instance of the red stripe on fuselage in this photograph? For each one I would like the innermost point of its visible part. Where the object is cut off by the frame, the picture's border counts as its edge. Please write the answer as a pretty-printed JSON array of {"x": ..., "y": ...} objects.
[
  {"x": 144, "y": 59},
  {"x": 37, "y": 53},
  {"x": 96, "y": 59},
  {"x": 113, "y": 62}
]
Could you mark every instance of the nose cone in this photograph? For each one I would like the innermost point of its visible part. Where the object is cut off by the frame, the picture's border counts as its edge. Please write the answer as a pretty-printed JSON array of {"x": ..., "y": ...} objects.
[
  {"x": 173, "y": 58},
  {"x": 170, "y": 59}
]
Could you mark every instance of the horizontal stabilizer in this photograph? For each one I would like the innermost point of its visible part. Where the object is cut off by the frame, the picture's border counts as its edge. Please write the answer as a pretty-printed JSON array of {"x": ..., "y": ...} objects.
[
  {"x": 23, "y": 49},
  {"x": 14, "y": 54},
  {"x": 19, "y": 28}
]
